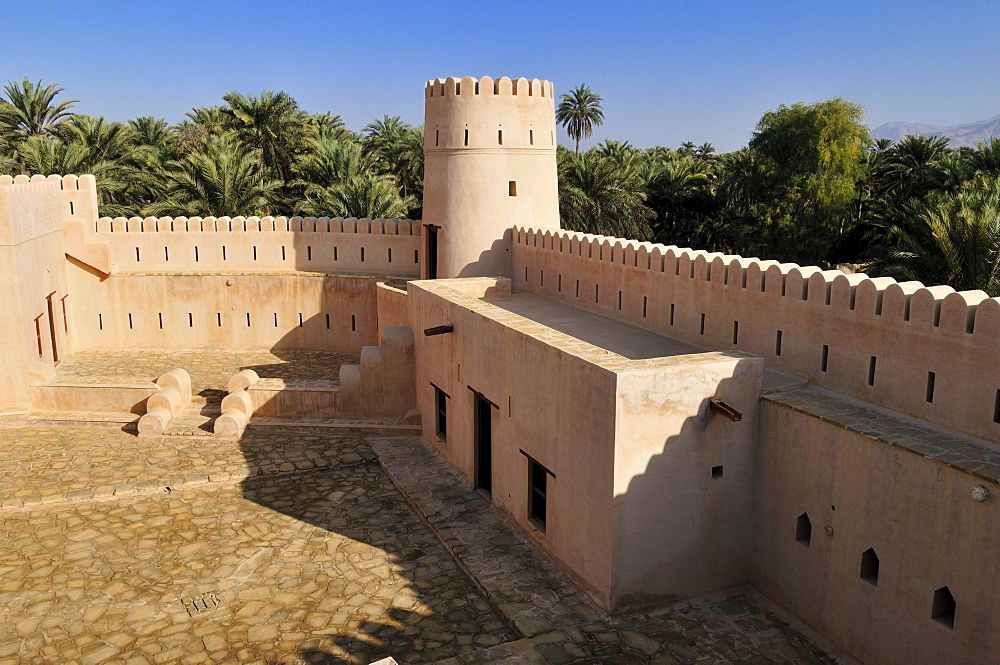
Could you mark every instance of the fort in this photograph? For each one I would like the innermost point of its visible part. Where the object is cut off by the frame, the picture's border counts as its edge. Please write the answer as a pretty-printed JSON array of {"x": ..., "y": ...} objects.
[{"x": 657, "y": 424}]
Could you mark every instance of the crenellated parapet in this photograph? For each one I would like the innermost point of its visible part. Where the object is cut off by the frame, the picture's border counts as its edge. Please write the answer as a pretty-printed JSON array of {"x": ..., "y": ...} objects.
[
  {"x": 471, "y": 114},
  {"x": 927, "y": 351}
]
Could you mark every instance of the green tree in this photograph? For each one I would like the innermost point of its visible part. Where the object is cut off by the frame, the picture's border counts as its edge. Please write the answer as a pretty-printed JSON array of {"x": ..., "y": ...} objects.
[
  {"x": 29, "y": 109},
  {"x": 809, "y": 158},
  {"x": 224, "y": 179},
  {"x": 271, "y": 126},
  {"x": 951, "y": 239},
  {"x": 579, "y": 112},
  {"x": 596, "y": 195}
]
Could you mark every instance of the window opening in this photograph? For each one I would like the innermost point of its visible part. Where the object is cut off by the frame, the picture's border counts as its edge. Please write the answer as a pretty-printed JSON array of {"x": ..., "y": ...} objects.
[
  {"x": 538, "y": 478},
  {"x": 512, "y": 188},
  {"x": 943, "y": 608},
  {"x": 777, "y": 343},
  {"x": 803, "y": 529},
  {"x": 930, "y": 386},
  {"x": 824, "y": 363},
  {"x": 440, "y": 414},
  {"x": 871, "y": 370},
  {"x": 717, "y": 472},
  {"x": 869, "y": 567},
  {"x": 736, "y": 333}
]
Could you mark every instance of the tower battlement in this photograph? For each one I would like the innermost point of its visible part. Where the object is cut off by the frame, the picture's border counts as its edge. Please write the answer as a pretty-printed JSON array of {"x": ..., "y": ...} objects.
[{"x": 486, "y": 114}]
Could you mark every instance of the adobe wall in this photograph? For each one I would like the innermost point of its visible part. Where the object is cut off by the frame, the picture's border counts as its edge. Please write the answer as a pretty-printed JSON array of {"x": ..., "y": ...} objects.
[
  {"x": 883, "y": 338},
  {"x": 916, "y": 513},
  {"x": 561, "y": 412},
  {"x": 261, "y": 244},
  {"x": 32, "y": 286},
  {"x": 683, "y": 477},
  {"x": 290, "y": 310}
]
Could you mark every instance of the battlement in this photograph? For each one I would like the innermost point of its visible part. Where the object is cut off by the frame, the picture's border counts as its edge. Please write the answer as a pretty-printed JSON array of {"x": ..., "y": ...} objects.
[
  {"x": 79, "y": 193},
  {"x": 929, "y": 352},
  {"x": 486, "y": 115},
  {"x": 485, "y": 87}
]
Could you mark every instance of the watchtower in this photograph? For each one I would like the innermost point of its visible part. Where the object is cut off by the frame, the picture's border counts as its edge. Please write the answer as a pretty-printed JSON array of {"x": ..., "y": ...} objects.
[{"x": 489, "y": 163}]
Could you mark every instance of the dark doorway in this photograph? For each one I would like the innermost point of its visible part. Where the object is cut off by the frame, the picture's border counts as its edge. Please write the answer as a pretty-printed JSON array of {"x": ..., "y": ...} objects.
[
  {"x": 484, "y": 442},
  {"x": 52, "y": 328},
  {"x": 431, "y": 251}
]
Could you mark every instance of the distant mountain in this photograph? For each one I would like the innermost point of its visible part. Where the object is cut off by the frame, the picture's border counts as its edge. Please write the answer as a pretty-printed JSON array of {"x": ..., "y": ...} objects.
[{"x": 959, "y": 135}]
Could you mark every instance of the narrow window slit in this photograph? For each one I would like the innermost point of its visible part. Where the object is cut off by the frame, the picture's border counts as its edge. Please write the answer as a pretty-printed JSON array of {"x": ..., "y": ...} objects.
[
  {"x": 354, "y": 325},
  {"x": 218, "y": 319},
  {"x": 160, "y": 317},
  {"x": 672, "y": 308},
  {"x": 327, "y": 321},
  {"x": 871, "y": 370},
  {"x": 196, "y": 259},
  {"x": 309, "y": 253},
  {"x": 825, "y": 361},
  {"x": 644, "y": 299},
  {"x": 930, "y": 386},
  {"x": 190, "y": 320},
  {"x": 777, "y": 343},
  {"x": 301, "y": 320},
  {"x": 702, "y": 330},
  {"x": 130, "y": 321},
  {"x": 736, "y": 333},
  {"x": 943, "y": 608}
]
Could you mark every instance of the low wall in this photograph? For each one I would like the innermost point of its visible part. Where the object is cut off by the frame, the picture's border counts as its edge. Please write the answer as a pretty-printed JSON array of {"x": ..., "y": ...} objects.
[
  {"x": 393, "y": 306},
  {"x": 929, "y": 352},
  {"x": 917, "y": 516}
]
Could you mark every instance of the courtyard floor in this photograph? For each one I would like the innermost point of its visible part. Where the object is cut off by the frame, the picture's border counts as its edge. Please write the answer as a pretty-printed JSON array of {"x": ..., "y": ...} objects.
[{"x": 298, "y": 545}]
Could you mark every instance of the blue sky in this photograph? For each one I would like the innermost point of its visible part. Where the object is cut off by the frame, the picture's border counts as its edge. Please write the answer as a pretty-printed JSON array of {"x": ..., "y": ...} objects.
[{"x": 668, "y": 71}]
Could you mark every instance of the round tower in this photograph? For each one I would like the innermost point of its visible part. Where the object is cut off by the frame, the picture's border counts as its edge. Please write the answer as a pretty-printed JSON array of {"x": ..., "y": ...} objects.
[{"x": 489, "y": 164}]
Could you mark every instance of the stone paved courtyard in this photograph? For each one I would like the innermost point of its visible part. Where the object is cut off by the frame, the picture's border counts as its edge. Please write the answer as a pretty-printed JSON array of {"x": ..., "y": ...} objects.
[{"x": 296, "y": 545}]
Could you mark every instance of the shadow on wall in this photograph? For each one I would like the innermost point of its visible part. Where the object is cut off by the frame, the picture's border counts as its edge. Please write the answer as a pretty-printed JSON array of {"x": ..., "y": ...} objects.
[
  {"x": 494, "y": 262},
  {"x": 682, "y": 527}
]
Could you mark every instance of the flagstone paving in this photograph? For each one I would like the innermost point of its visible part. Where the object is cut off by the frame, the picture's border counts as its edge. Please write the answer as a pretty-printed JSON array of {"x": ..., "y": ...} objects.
[{"x": 296, "y": 545}]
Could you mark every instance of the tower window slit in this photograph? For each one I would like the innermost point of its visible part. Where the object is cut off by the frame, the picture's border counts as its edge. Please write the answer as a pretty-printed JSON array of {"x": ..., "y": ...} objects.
[
  {"x": 871, "y": 370},
  {"x": 362, "y": 254},
  {"x": 619, "y": 301},
  {"x": 512, "y": 188},
  {"x": 559, "y": 284},
  {"x": 777, "y": 343},
  {"x": 334, "y": 253},
  {"x": 930, "y": 386},
  {"x": 825, "y": 361},
  {"x": 499, "y": 137},
  {"x": 190, "y": 320},
  {"x": 137, "y": 255},
  {"x": 301, "y": 320},
  {"x": 327, "y": 321},
  {"x": 160, "y": 317},
  {"x": 416, "y": 256},
  {"x": 702, "y": 329},
  {"x": 275, "y": 319},
  {"x": 644, "y": 306},
  {"x": 309, "y": 253},
  {"x": 130, "y": 321},
  {"x": 437, "y": 137},
  {"x": 100, "y": 326},
  {"x": 218, "y": 319},
  {"x": 531, "y": 137},
  {"x": 354, "y": 325},
  {"x": 248, "y": 319},
  {"x": 223, "y": 252},
  {"x": 467, "y": 137},
  {"x": 672, "y": 310},
  {"x": 390, "y": 255},
  {"x": 597, "y": 293},
  {"x": 578, "y": 295},
  {"x": 196, "y": 254},
  {"x": 282, "y": 252},
  {"x": 255, "y": 252},
  {"x": 736, "y": 333},
  {"x": 166, "y": 254}
]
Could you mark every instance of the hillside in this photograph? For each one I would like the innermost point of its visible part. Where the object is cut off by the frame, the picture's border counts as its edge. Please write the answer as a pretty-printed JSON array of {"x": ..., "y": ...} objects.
[{"x": 959, "y": 135}]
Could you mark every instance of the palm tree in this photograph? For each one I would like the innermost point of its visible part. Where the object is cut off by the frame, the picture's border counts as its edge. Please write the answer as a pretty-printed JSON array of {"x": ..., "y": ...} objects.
[
  {"x": 225, "y": 179},
  {"x": 951, "y": 239},
  {"x": 273, "y": 127},
  {"x": 398, "y": 150},
  {"x": 28, "y": 109},
  {"x": 579, "y": 112},
  {"x": 598, "y": 196},
  {"x": 372, "y": 196}
]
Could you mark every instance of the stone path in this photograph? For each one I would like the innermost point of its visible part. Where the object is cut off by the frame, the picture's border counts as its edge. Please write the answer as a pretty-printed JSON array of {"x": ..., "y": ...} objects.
[
  {"x": 208, "y": 369},
  {"x": 295, "y": 545},
  {"x": 328, "y": 565},
  {"x": 556, "y": 620}
]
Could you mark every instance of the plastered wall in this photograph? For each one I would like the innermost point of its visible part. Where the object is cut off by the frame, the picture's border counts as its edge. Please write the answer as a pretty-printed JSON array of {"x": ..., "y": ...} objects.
[
  {"x": 223, "y": 311},
  {"x": 560, "y": 412},
  {"x": 916, "y": 514},
  {"x": 730, "y": 302},
  {"x": 226, "y": 244},
  {"x": 683, "y": 478},
  {"x": 35, "y": 332}
]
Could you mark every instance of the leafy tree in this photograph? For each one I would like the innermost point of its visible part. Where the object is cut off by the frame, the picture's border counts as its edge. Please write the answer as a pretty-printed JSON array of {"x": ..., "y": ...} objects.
[
  {"x": 225, "y": 179},
  {"x": 810, "y": 161},
  {"x": 397, "y": 149},
  {"x": 28, "y": 109},
  {"x": 953, "y": 239},
  {"x": 596, "y": 195},
  {"x": 272, "y": 126},
  {"x": 358, "y": 196},
  {"x": 579, "y": 112}
]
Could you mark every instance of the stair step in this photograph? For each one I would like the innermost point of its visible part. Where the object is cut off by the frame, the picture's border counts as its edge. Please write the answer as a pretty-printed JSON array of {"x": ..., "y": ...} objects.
[
  {"x": 62, "y": 417},
  {"x": 355, "y": 427}
]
